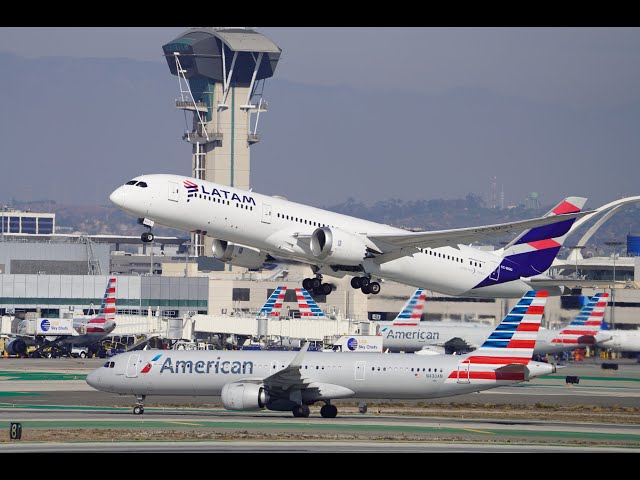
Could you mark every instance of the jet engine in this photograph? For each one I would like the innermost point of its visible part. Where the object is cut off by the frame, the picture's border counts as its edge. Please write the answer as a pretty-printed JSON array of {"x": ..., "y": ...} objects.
[
  {"x": 239, "y": 255},
  {"x": 244, "y": 396},
  {"x": 339, "y": 247},
  {"x": 16, "y": 347}
]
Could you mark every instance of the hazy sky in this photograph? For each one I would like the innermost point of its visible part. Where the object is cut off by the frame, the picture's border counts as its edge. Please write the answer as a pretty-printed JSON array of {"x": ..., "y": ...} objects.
[
  {"x": 584, "y": 74},
  {"x": 577, "y": 66}
]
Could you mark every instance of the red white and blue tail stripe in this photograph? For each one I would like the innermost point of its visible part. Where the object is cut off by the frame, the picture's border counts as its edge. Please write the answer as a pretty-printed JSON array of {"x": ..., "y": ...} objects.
[
  {"x": 506, "y": 352},
  {"x": 583, "y": 330},
  {"x": 307, "y": 305},
  {"x": 273, "y": 305},
  {"x": 411, "y": 313},
  {"x": 107, "y": 313}
]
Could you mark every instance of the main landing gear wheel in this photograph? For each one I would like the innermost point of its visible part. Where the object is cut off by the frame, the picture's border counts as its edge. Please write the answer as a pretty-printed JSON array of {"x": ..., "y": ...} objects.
[
  {"x": 147, "y": 237},
  {"x": 301, "y": 411},
  {"x": 139, "y": 408},
  {"x": 316, "y": 286},
  {"x": 329, "y": 411},
  {"x": 366, "y": 285}
]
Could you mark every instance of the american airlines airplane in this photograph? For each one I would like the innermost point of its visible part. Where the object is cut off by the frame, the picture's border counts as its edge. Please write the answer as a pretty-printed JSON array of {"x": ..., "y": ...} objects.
[
  {"x": 87, "y": 331},
  {"x": 293, "y": 380},
  {"x": 619, "y": 340},
  {"x": 406, "y": 333},
  {"x": 251, "y": 229}
]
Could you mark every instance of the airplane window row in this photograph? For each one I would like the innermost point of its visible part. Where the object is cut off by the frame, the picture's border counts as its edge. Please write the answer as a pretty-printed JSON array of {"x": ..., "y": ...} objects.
[
  {"x": 406, "y": 369},
  {"x": 427, "y": 251},
  {"x": 137, "y": 184},
  {"x": 211, "y": 198},
  {"x": 302, "y": 220}
]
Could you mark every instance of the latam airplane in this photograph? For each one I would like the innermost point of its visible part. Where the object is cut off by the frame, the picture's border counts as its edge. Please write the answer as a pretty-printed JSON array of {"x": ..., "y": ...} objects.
[
  {"x": 250, "y": 229},
  {"x": 406, "y": 333},
  {"x": 87, "y": 331},
  {"x": 293, "y": 380}
]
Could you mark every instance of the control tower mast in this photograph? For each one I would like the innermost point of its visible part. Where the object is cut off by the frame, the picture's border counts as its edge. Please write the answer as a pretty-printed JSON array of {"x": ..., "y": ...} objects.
[{"x": 221, "y": 75}]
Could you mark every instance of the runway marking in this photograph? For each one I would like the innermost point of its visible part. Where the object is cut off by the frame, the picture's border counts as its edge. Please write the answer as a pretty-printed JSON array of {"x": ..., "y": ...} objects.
[
  {"x": 478, "y": 431},
  {"x": 186, "y": 423}
]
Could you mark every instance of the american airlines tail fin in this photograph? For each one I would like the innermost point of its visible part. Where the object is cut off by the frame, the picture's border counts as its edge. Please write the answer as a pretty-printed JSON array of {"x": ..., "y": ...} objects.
[
  {"x": 587, "y": 324},
  {"x": 108, "y": 306},
  {"x": 273, "y": 305},
  {"x": 506, "y": 354},
  {"x": 533, "y": 251},
  {"x": 411, "y": 313},
  {"x": 307, "y": 305}
]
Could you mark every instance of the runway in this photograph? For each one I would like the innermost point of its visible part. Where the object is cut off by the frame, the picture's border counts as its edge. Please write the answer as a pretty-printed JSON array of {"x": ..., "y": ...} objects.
[{"x": 58, "y": 411}]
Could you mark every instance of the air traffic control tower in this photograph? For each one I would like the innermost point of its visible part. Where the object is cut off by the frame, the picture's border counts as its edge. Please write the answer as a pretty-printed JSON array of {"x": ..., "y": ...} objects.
[{"x": 221, "y": 75}]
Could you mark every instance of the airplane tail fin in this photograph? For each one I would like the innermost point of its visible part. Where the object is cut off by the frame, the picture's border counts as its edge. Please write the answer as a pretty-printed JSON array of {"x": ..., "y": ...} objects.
[
  {"x": 108, "y": 306},
  {"x": 505, "y": 354},
  {"x": 411, "y": 313},
  {"x": 273, "y": 305},
  {"x": 534, "y": 250},
  {"x": 587, "y": 324},
  {"x": 307, "y": 305}
]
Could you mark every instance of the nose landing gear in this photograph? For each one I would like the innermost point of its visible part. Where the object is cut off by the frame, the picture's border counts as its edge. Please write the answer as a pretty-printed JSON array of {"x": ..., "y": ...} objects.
[{"x": 146, "y": 237}]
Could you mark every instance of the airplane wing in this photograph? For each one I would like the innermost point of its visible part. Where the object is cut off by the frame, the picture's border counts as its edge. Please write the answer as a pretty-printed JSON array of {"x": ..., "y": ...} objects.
[
  {"x": 453, "y": 237},
  {"x": 288, "y": 377}
]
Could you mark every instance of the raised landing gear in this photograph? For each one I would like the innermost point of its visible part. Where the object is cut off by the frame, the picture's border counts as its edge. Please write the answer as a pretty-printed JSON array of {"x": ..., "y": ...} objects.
[
  {"x": 139, "y": 408},
  {"x": 366, "y": 285},
  {"x": 301, "y": 411},
  {"x": 316, "y": 287}
]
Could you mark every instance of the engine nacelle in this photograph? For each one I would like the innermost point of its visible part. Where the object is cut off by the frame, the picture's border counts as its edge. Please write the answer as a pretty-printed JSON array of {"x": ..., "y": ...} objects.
[
  {"x": 338, "y": 247},
  {"x": 16, "y": 347},
  {"x": 239, "y": 255},
  {"x": 244, "y": 396}
]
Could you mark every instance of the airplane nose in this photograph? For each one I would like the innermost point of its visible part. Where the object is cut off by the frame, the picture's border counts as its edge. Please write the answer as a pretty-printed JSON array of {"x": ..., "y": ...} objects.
[
  {"x": 118, "y": 197},
  {"x": 93, "y": 379}
]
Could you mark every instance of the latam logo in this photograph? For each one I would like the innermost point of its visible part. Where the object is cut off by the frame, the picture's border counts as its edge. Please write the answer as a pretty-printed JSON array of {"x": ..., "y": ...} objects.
[
  {"x": 352, "y": 344},
  {"x": 148, "y": 366},
  {"x": 193, "y": 189},
  {"x": 45, "y": 325}
]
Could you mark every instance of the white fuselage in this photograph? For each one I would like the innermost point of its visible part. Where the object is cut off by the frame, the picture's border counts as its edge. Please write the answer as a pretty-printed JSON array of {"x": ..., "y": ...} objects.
[
  {"x": 340, "y": 375},
  {"x": 282, "y": 229},
  {"x": 406, "y": 338},
  {"x": 619, "y": 340}
]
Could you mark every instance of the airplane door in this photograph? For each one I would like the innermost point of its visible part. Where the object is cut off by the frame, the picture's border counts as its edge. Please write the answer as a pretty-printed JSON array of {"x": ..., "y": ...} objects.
[
  {"x": 463, "y": 372},
  {"x": 266, "y": 213},
  {"x": 360, "y": 368},
  {"x": 132, "y": 366},
  {"x": 174, "y": 192}
]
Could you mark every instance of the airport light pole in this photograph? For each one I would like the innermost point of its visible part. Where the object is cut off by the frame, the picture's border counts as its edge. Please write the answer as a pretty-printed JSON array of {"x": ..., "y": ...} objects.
[
  {"x": 613, "y": 244},
  {"x": 4, "y": 209},
  {"x": 187, "y": 244}
]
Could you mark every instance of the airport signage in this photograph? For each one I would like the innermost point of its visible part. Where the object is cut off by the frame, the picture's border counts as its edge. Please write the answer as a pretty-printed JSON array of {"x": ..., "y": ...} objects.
[{"x": 54, "y": 326}]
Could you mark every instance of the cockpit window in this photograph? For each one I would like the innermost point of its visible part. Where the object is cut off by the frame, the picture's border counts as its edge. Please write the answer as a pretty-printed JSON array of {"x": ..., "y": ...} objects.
[
  {"x": 109, "y": 364},
  {"x": 142, "y": 184},
  {"x": 106, "y": 365},
  {"x": 131, "y": 182}
]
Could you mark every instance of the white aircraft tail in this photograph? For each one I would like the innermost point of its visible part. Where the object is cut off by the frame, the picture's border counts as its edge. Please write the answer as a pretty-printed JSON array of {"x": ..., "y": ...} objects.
[
  {"x": 273, "y": 305},
  {"x": 411, "y": 313},
  {"x": 506, "y": 353},
  {"x": 307, "y": 305},
  {"x": 583, "y": 330}
]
